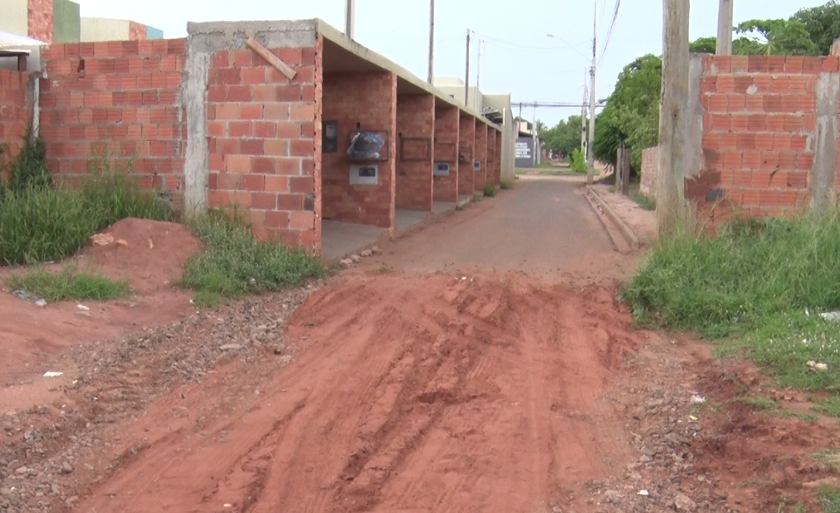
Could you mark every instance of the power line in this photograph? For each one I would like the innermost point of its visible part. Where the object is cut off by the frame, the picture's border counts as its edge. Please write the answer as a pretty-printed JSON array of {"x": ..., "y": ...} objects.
[
  {"x": 612, "y": 26},
  {"x": 530, "y": 47}
]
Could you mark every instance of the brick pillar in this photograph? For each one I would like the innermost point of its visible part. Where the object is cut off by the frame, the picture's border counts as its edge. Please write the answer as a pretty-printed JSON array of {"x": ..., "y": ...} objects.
[
  {"x": 466, "y": 149},
  {"x": 40, "y": 20},
  {"x": 415, "y": 131},
  {"x": 446, "y": 150},
  {"x": 480, "y": 156}
]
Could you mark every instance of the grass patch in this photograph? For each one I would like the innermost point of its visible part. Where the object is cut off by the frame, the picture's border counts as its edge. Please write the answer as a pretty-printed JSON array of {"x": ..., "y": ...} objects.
[
  {"x": 643, "y": 201},
  {"x": 830, "y": 457},
  {"x": 829, "y": 406},
  {"x": 521, "y": 172},
  {"x": 489, "y": 190},
  {"x": 477, "y": 197},
  {"x": 506, "y": 185},
  {"x": 829, "y": 499},
  {"x": 236, "y": 263},
  {"x": 41, "y": 223},
  {"x": 759, "y": 402},
  {"x": 758, "y": 287},
  {"x": 68, "y": 283}
]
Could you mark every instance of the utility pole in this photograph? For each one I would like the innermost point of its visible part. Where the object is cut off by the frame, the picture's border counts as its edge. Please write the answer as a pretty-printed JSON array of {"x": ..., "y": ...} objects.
[
  {"x": 350, "y": 19},
  {"x": 724, "y": 35},
  {"x": 467, "y": 79},
  {"x": 537, "y": 153},
  {"x": 431, "y": 41},
  {"x": 583, "y": 147},
  {"x": 478, "y": 68},
  {"x": 670, "y": 182},
  {"x": 590, "y": 157}
]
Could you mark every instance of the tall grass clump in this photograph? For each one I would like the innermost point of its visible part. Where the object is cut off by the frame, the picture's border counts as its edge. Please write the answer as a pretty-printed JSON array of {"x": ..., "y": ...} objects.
[
  {"x": 236, "y": 263},
  {"x": 41, "y": 221},
  {"x": 757, "y": 286},
  {"x": 68, "y": 283}
]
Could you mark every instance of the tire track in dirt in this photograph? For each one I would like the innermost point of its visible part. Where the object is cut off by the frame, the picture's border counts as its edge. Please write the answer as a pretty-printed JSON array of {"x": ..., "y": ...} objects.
[{"x": 410, "y": 394}]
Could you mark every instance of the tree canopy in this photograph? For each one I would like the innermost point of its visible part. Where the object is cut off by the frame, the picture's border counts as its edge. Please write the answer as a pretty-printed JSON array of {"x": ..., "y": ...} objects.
[
  {"x": 564, "y": 138},
  {"x": 822, "y": 24}
]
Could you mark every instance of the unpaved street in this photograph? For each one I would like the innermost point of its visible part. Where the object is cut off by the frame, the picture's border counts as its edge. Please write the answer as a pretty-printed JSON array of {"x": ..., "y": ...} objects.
[{"x": 483, "y": 364}]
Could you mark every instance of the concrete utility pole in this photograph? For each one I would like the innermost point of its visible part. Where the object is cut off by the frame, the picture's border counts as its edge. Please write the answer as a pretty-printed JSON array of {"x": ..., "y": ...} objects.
[
  {"x": 583, "y": 117},
  {"x": 431, "y": 41},
  {"x": 670, "y": 193},
  {"x": 590, "y": 158},
  {"x": 478, "y": 68},
  {"x": 467, "y": 79},
  {"x": 350, "y": 19},
  {"x": 724, "y": 35}
]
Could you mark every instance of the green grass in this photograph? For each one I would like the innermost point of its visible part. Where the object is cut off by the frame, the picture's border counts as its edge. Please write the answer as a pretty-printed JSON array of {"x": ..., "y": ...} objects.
[
  {"x": 489, "y": 190},
  {"x": 39, "y": 224},
  {"x": 829, "y": 406},
  {"x": 521, "y": 171},
  {"x": 477, "y": 197},
  {"x": 68, "y": 283},
  {"x": 643, "y": 201},
  {"x": 751, "y": 287},
  {"x": 759, "y": 402},
  {"x": 236, "y": 264},
  {"x": 829, "y": 499},
  {"x": 505, "y": 185}
]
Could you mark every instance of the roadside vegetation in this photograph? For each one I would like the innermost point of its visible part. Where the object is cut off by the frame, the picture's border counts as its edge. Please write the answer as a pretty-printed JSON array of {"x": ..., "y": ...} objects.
[
  {"x": 69, "y": 283},
  {"x": 236, "y": 263},
  {"x": 42, "y": 221},
  {"x": 489, "y": 190},
  {"x": 505, "y": 185},
  {"x": 758, "y": 288}
]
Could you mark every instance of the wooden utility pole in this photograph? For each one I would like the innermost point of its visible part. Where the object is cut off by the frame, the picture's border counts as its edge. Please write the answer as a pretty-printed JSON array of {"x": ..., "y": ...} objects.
[
  {"x": 724, "y": 34},
  {"x": 467, "y": 79},
  {"x": 431, "y": 41},
  {"x": 590, "y": 157},
  {"x": 350, "y": 19},
  {"x": 583, "y": 145},
  {"x": 670, "y": 181}
]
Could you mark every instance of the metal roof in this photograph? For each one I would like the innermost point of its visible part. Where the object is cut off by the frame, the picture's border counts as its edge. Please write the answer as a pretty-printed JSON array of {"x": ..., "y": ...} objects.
[{"x": 13, "y": 42}]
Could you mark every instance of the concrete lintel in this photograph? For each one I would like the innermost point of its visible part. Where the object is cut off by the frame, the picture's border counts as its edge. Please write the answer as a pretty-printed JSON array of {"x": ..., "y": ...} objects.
[
  {"x": 339, "y": 38},
  {"x": 231, "y": 35},
  {"x": 827, "y": 90}
]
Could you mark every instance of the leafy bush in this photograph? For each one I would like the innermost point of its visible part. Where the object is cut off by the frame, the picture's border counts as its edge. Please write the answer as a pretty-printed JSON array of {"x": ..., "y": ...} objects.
[
  {"x": 578, "y": 163},
  {"x": 506, "y": 185},
  {"x": 489, "y": 190}
]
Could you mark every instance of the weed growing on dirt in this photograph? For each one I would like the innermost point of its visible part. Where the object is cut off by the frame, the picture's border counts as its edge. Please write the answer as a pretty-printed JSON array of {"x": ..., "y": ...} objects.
[
  {"x": 758, "y": 286},
  {"x": 477, "y": 197},
  {"x": 643, "y": 201},
  {"x": 505, "y": 185},
  {"x": 489, "y": 190},
  {"x": 68, "y": 283},
  {"x": 759, "y": 402},
  {"x": 236, "y": 263},
  {"x": 829, "y": 406},
  {"x": 40, "y": 222},
  {"x": 829, "y": 499}
]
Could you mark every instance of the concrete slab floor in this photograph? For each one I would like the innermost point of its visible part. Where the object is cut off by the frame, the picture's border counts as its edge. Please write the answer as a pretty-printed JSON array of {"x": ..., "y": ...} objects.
[
  {"x": 339, "y": 239},
  {"x": 443, "y": 206},
  {"x": 463, "y": 199},
  {"x": 407, "y": 218}
]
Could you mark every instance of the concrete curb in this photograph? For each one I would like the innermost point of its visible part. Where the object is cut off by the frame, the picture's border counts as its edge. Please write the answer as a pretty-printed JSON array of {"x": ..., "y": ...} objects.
[{"x": 625, "y": 230}]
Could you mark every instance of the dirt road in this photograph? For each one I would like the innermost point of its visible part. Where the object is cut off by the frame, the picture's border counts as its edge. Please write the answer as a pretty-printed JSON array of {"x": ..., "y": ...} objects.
[{"x": 483, "y": 364}]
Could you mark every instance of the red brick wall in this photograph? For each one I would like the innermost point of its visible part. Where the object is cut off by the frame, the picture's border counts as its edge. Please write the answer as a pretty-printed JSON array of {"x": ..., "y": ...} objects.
[
  {"x": 480, "y": 156},
  {"x": 40, "y": 19},
  {"x": 759, "y": 126},
  {"x": 14, "y": 114},
  {"x": 415, "y": 119},
  {"x": 367, "y": 98},
  {"x": 124, "y": 104},
  {"x": 446, "y": 150},
  {"x": 261, "y": 137},
  {"x": 136, "y": 31},
  {"x": 466, "y": 147}
]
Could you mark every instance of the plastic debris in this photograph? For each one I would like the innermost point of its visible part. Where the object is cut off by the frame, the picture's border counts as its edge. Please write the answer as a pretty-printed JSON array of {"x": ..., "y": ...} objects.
[
  {"x": 831, "y": 316},
  {"x": 692, "y": 417},
  {"x": 643, "y": 493},
  {"x": 82, "y": 307},
  {"x": 697, "y": 399},
  {"x": 53, "y": 374},
  {"x": 41, "y": 302},
  {"x": 817, "y": 366},
  {"x": 102, "y": 239}
]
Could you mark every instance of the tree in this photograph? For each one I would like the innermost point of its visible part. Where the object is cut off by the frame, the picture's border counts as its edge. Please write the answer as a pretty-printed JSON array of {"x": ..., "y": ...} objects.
[
  {"x": 775, "y": 37},
  {"x": 564, "y": 137},
  {"x": 822, "y": 24},
  {"x": 631, "y": 113}
]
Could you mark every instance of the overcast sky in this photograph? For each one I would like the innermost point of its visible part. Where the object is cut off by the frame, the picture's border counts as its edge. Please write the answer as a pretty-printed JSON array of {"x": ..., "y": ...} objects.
[{"x": 518, "y": 56}]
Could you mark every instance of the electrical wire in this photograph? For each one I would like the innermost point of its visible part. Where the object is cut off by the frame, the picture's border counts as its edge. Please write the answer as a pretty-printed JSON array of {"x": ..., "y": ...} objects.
[
  {"x": 530, "y": 47},
  {"x": 609, "y": 33}
]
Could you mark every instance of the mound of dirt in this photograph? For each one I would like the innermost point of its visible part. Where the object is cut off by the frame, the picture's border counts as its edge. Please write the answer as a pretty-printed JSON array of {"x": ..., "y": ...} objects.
[{"x": 149, "y": 254}]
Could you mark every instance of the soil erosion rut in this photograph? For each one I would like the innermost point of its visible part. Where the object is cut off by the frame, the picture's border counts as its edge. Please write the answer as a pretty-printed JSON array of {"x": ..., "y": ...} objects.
[{"x": 411, "y": 394}]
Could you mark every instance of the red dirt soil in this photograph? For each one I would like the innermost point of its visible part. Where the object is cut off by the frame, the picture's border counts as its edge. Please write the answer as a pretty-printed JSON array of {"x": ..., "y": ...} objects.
[
  {"x": 432, "y": 394},
  {"x": 31, "y": 333}
]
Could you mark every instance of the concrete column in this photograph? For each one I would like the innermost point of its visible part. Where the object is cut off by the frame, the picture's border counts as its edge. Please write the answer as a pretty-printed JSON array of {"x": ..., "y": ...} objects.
[{"x": 823, "y": 172}]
